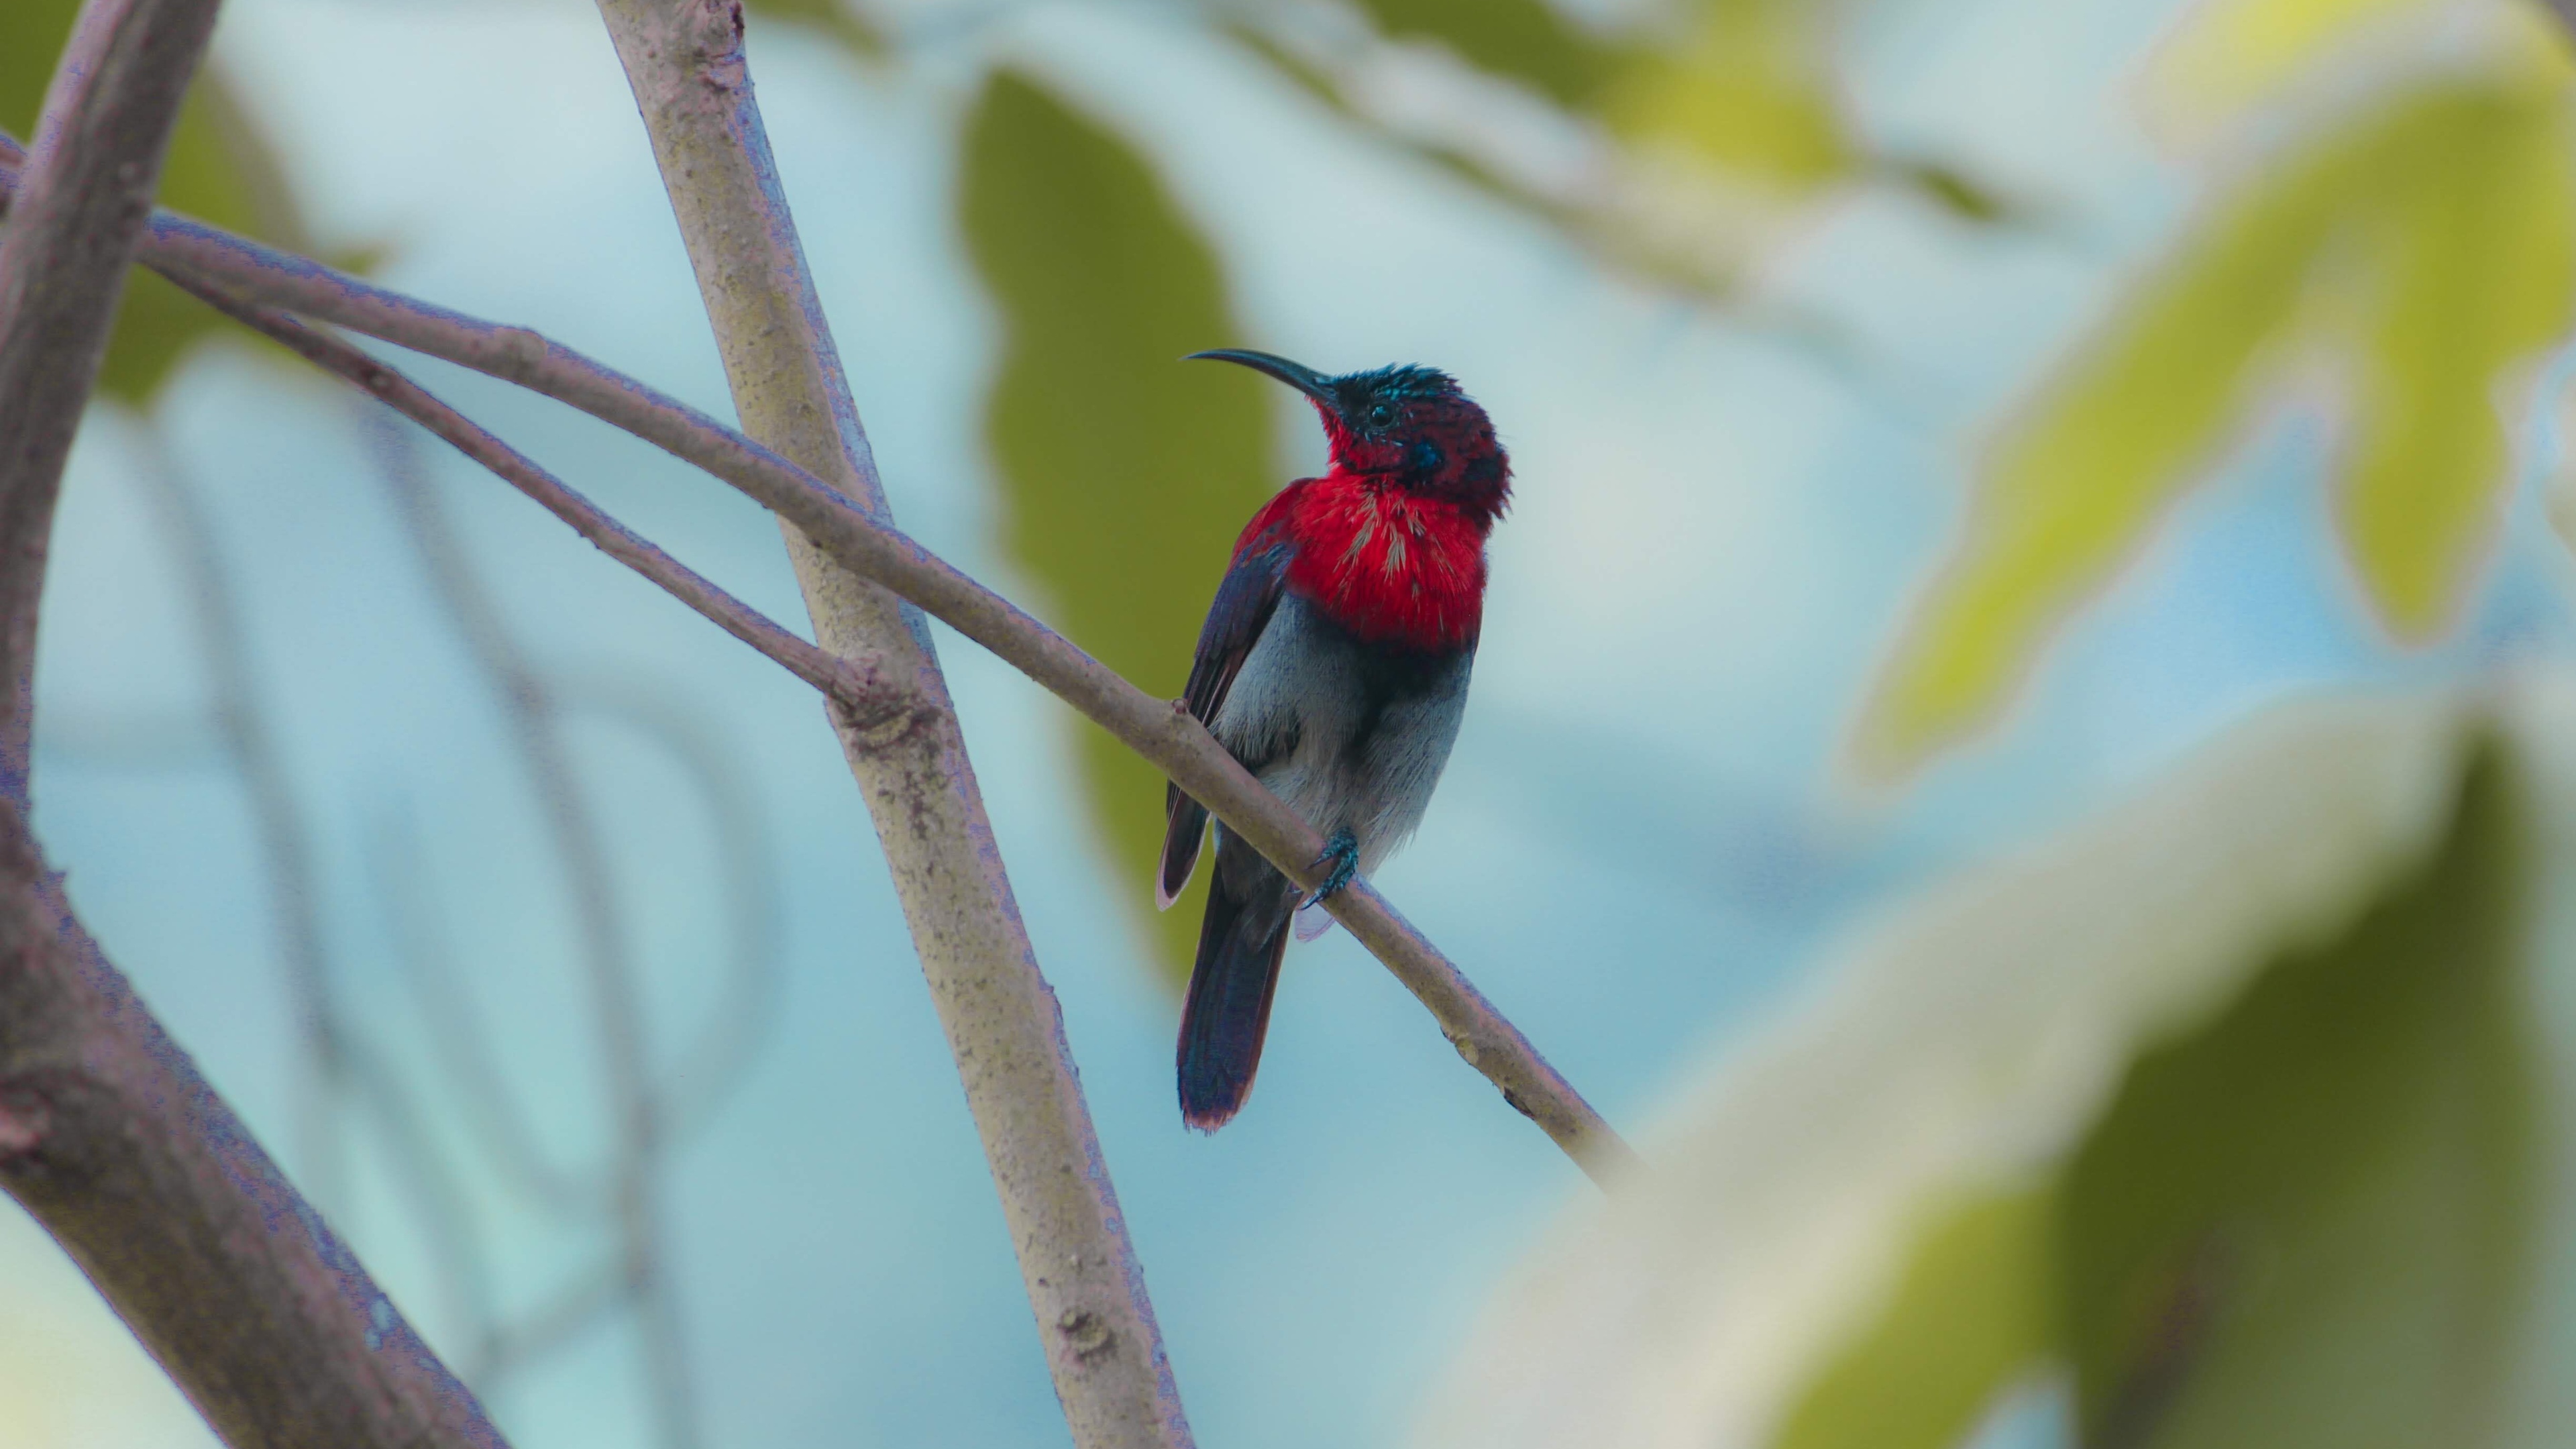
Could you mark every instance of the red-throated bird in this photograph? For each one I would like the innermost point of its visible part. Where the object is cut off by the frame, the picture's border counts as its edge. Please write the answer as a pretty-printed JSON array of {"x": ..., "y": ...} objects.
[{"x": 1334, "y": 665}]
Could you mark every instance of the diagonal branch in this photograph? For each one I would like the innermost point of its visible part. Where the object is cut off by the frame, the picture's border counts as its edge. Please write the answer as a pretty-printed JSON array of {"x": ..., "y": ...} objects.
[
  {"x": 853, "y": 685},
  {"x": 110, "y": 1138},
  {"x": 178, "y": 247}
]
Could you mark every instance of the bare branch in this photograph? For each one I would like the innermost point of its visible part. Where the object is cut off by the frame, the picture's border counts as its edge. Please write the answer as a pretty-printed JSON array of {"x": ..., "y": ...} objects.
[
  {"x": 110, "y": 1139},
  {"x": 684, "y": 61},
  {"x": 855, "y": 687},
  {"x": 1169, "y": 737},
  {"x": 108, "y": 1136},
  {"x": 72, "y": 229}
]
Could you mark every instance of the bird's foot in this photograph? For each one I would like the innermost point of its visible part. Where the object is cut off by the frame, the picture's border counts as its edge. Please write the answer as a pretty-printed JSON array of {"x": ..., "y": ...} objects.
[{"x": 1343, "y": 850}]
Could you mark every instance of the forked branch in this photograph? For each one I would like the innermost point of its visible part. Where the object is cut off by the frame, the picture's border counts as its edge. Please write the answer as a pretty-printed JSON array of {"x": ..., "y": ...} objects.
[{"x": 1174, "y": 742}]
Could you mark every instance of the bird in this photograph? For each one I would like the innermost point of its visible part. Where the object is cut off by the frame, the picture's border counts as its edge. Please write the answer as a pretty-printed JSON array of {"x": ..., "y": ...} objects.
[{"x": 1333, "y": 664}]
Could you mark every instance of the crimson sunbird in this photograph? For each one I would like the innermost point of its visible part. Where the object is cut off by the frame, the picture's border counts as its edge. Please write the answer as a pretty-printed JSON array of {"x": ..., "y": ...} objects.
[{"x": 1334, "y": 665}]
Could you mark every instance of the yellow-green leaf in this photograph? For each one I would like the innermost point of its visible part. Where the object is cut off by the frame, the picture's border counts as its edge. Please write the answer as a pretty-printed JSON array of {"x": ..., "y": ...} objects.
[
  {"x": 219, "y": 169},
  {"x": 1751, "y": 95},
  {"x": 1125, "y": 472},
  {"x": 2477, "y": 240},
  {"x": 2228, "y": 56},
  {"x": 2427, "y": 239}
]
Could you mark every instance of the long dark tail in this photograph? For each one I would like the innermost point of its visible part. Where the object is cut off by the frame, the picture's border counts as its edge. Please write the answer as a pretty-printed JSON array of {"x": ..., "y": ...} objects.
[{"x": 1241, "y": 940}]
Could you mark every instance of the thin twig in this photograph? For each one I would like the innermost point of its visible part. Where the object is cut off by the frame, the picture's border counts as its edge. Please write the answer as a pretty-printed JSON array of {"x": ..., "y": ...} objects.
[
  {"x": 592, "y": 1297},
  {"x": 839, "y": 678},
  {"x": 286, "y": 853},
  {"x": 524, "y": 696},
  {"x": 431, "y": 1190},
  {"x": 337, "y": 1062},
  {"x": 617, "y": 1008},
  {"x": 456, "y": 1039},
  {"x": 1167, "y": 736},
  {"x": 728, "y": 1034}
]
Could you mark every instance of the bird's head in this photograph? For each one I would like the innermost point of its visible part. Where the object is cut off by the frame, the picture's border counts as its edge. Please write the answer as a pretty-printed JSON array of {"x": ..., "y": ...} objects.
[{"x": 1410, "y": 427}]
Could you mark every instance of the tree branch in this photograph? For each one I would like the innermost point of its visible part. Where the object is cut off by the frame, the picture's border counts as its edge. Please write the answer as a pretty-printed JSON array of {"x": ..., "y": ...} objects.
[
  {"x": 110, "y": 1139},
  {"x": 684, "y": 61},
  {"x": 1175, "y": 743},
  {"x": 72, "y": 229},
  {"x": 108, "y": 1136},
  {"x": 859, "y": 689}
]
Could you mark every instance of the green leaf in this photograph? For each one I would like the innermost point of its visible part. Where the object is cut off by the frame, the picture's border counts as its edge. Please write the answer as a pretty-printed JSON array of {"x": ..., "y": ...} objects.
[
  {"x": 1523, "y": 40},
  {"x": 2431, "y": 241},
  {"x": 2226, "y": 1107},
  {"x": 834, "y": 18},
  {"x": 2306, "y": 1222},
  {"x": 219, "y": 169},
  {"x": 1125, "y": 472},
  {"x": 1975, "y": 1307}
]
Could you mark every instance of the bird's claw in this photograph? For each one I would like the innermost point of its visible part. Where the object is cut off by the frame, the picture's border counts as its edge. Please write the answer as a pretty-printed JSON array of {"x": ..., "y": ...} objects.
[{"x": 1343, "y": 850}]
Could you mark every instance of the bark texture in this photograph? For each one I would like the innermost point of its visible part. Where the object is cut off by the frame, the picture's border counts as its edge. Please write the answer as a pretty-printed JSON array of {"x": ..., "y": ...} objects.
[
  {"x": 110, "y": 1139},
  {"x": 685, "y": 62}
]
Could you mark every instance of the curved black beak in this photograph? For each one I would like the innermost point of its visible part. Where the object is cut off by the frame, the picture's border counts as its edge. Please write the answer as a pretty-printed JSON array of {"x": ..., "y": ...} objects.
[{"x": 1296, "y": 374}]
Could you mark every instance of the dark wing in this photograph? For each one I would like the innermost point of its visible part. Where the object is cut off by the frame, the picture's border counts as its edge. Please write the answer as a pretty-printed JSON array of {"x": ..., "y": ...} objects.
[{"x": 1245, "y": 600}]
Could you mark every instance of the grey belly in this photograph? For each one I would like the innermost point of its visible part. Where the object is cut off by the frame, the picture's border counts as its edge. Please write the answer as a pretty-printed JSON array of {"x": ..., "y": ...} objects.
[{"x": 1349, "y": 741}]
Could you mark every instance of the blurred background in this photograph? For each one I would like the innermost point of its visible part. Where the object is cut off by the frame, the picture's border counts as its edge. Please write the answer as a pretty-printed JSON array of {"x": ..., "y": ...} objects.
[{"x": 1935, "y": 423}]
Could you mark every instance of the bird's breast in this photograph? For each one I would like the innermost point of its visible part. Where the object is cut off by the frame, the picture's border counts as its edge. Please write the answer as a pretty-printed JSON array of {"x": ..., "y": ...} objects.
[{"x": 1388, "y": 565}]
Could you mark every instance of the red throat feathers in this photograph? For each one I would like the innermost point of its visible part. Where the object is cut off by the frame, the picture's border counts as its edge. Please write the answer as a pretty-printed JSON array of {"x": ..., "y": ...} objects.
[{"x": 1386, "y": 563}]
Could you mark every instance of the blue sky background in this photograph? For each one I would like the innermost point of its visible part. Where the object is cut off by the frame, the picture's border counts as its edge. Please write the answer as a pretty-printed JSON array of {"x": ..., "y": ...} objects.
[{"x": 1642, "y": 848}]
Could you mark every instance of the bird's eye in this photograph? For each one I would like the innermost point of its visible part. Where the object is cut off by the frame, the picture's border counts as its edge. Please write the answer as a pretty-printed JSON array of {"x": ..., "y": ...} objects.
[{"x": 1380, "y": 415}]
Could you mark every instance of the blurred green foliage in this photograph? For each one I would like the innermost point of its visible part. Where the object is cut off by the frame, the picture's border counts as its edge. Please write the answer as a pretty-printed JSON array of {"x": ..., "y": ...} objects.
[
  {"x": 2308, "y": 1222},
  {"x": 2303, "y": 1222},
  {"x": 1527, "y": 41},
  {"x": 1750, "y": 93},
  {"x": 1125, "y": 472},
  {"x": 1971, "y": 1311},
  {"x": 2234, "y": 57},
  {"x": 2417, "y": 248},
  {"x": 1748, "y": 90},
  {"x": 2240, "y": 1110},
  {"x": 220, "y": 169}
]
